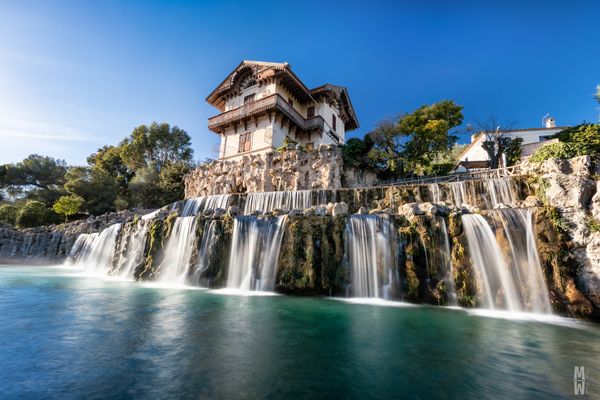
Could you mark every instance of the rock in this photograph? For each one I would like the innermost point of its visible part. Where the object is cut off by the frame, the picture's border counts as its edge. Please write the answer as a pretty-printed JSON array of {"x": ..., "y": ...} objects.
[
  {"x": 339, "y": 209},
  {"x": 320, "y": 211},
  {"x": 233, "y": 210},
  {"x": 363, "y": 211},
  {"x": 208, "y": 213},
  {"x": 256, "y": 213},
  {"x": 309, "y": 212},
  {"x": 410, "y": 210},
  {"x": 219, "y": 212},
  {"x": 428, "y": 208},
  {"x": 469, "y": 209},
  {"x": 278, "y": 211},
  {"x": 296, "y": 213},
  {"x": 531, "y": 201}
]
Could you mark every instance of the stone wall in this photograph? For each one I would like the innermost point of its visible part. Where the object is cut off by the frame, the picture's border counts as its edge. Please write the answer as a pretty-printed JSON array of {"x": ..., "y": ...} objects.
[{"x": 289, "y": 169}]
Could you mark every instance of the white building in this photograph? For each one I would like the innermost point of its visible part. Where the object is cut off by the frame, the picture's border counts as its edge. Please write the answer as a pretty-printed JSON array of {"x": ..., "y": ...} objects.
[
  {"x": 474, "y": 155},
  {"x": 262, "y": 103}
]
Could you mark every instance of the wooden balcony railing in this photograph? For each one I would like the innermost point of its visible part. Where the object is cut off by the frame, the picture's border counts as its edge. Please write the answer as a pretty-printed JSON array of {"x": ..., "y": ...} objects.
[{"x": 254, "y": 108}]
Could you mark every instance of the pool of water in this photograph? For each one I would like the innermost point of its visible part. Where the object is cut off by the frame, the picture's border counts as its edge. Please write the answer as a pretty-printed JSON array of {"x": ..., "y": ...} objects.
[{"x": 67, "y": 336}]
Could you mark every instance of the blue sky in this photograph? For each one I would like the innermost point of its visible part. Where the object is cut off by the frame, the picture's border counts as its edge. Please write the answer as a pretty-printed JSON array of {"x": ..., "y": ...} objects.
[{"x": 77, "y": 75}]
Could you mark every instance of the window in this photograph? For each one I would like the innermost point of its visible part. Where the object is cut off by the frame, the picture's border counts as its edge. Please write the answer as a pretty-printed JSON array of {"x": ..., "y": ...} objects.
[
  {"x": 544, "y": 138},
  {"x": 333, "y": 122},
  {"x": 310, "y": 146},
  {"x": 290, "y": 102},
  {"x": 245, "y": 142},
  {"x": 249, "y": 98},
  {"x": 310, "y": 112}
]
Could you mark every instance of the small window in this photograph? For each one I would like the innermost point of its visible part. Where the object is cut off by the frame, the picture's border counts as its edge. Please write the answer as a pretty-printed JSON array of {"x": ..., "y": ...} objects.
[
  {"x": 245, "y": 142},
  {"x": 310, "y": 111},
  {"x": 544, "y": 138},
  {"x": 290, "y": 102},
  {"x": 249, "y": 98},
  {"x": 333, "y": 122}
]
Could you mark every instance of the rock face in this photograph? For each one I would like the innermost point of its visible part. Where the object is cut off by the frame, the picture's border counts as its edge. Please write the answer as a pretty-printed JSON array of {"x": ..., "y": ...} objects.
[
  {"x": 571, "y": 188},
  {"x": 288, "y": 169},
  {"x": 51, "y": 244}
]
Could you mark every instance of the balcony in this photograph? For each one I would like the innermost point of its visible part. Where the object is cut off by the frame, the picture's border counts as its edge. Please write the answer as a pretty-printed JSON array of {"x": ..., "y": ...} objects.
[{"x": 273, "y": 103}]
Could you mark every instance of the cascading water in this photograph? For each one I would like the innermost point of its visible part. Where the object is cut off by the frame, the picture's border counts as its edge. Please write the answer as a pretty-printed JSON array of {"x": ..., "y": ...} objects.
[
  {"x": 368, "y": 241},
  {"x": 175, "y": 264},
  {"x": 510, "y": 280},
  {"x": 254, "y": 252},
  {"x": 269, "y": 201},
  {"x": 500, "y": 191},
  {"x": 524, "y": 259},
  {"x": 459, "y": 193},
  {"x": 434, "y": 193},
  {"x": 81, "y": 248},
  {"x": 199, "y": 204},
  {"x": 132, "y": 255},
  {"x": 97, "y": 257},
  {"x": 205, "y": 251},
  {"x": 447, "y": 261}
]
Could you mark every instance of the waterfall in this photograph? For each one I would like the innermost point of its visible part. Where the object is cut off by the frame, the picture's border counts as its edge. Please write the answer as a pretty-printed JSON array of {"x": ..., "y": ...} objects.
[
  {"x": 132, "y": 254},
  {"x": 205, "y": 251},
  {"x": 97, "y": 252},
  {"x": 509, "y": 279},
  {"x": 524, "y": 259},
  {"x": 81, "y": 248},
  {"x": 254, "y": 252},
  {"x": 447, "y": 262},
  {"x": 500, "y": 191},
  {"x": 367, "y": 241},
  {"x": 199, "y": 204},
  {"x": 459, "y": 193},
  {"x": 434, "y": 193},
  {"x": 269, "y": 201},
  {"x": 178, "y": 251}
]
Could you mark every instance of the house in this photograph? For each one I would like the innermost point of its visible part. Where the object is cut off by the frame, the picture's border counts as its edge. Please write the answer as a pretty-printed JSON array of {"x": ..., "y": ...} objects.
[
  {"x": 475, "y": 157},
  {"x": 263, "y": 103}
]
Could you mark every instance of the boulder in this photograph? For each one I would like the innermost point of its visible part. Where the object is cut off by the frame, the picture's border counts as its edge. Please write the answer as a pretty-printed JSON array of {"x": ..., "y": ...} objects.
[
  {"x": 410, "y": 209},
  {"x": 339, "y": 209}
]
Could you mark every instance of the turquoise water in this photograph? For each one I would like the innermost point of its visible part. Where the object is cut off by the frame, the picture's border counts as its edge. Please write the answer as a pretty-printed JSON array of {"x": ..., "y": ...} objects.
[{"x": 64, "y": 336}]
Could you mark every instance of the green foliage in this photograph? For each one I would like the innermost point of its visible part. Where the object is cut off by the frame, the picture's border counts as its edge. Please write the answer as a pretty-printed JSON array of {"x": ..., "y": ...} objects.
[
  {"x": 97, "y": 187},
  {"x": 355, "y": 153},
  {"x": 156, "y": 145},
  {"x": 8, "y": 214},
  {"x": 585, "y": 135},
  {"x": 402, "y": 145},
  {"x": 171, "y": 182},
  {"x": 287, "y": 141},
  {"x": 35, "y": 213},
  {"x": 593, "y": 224},
  {"x": 68, "y": 205},
  {"x": 36, "y": 177},
  {"x": 145, "y": 188},
  {"x": 558, "y": 150},
  {"x": 513, "y": 151}
]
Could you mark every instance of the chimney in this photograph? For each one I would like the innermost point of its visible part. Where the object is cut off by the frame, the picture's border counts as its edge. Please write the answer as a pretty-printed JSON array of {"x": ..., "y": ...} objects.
[{"x": 549, "y": 122}]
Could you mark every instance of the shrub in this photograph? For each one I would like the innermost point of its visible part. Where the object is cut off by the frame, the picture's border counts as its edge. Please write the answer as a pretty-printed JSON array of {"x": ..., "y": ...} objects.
[
  {"x": 559, "y": 150},
  {"x": 8, "y": 214},
  {"x": 35, "y": 213}
]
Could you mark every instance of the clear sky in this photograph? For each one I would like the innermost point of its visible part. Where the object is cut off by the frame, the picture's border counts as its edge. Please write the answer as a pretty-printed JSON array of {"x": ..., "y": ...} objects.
[{"x": 77, "y": 75}]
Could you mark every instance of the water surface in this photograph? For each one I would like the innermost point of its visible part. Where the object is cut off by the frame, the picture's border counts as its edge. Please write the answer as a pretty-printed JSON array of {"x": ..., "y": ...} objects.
[{"x": 66, "y": 336}]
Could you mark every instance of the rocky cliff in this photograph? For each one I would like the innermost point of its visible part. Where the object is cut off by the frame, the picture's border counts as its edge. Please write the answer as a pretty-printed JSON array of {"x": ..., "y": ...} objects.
[{"x": 51, "y": 244}]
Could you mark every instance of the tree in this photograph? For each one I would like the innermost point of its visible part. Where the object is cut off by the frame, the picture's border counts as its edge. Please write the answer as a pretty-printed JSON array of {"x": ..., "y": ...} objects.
[
  {"x": 8, "y": 214},
  {"x": 145, "y": 188},
  {"x": 356, "y": 153},
  {"x": 110, "y": 160},
  {"x": 171, "y": 182},
  {"x": 36, "y": 177},
  {"x": 586, "y": 134},
  {"x": 558, "y": 150},
  {"x": 157, "y": 145},
  {"x": 498, "y": 142},
  {"x": 35, "y": 213},
  {"x": 95, "y": 186},
  {"x": 68, "y": 205},
  {"x": 411, "y": 141}
]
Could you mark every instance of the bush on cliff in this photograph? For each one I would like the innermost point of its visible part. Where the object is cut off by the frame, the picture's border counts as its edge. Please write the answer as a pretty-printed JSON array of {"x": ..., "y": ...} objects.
[
  {"x": 558, "y": 150},
  {"x": 8, "y": 214},
  {"x": 35, "y": 213}
]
